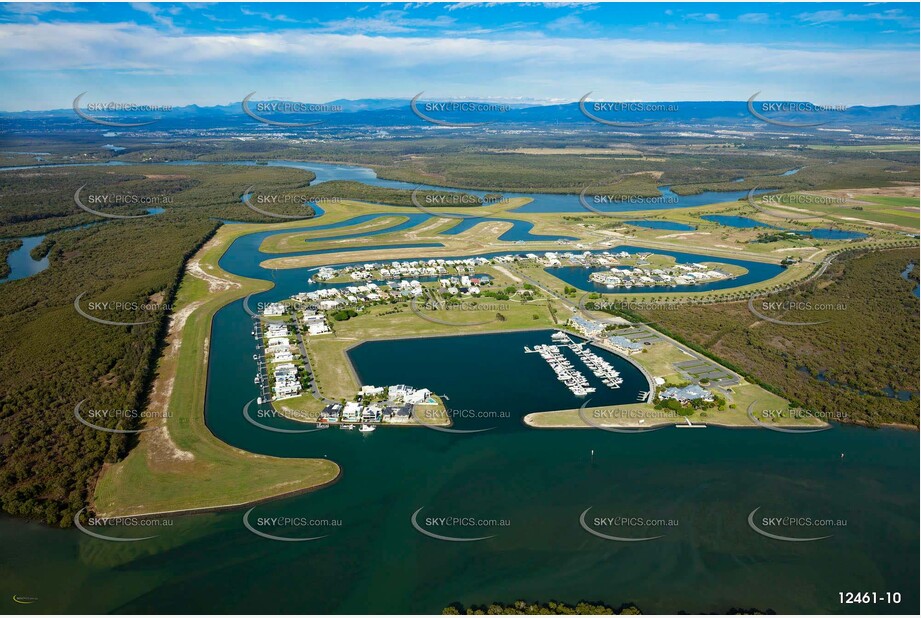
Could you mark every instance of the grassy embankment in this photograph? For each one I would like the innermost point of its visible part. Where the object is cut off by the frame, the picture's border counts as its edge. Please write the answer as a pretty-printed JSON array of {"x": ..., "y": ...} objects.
[{"x": 182, "y": 465}]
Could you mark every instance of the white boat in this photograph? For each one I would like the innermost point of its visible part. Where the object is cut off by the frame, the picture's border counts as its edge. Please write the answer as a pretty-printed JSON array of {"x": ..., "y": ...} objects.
[
  {"x": 367, "y": 428},
  {"x": 347, "y": 427},
  {"x": 259, "y": 400},
  {"x": 256, "y": 379}
]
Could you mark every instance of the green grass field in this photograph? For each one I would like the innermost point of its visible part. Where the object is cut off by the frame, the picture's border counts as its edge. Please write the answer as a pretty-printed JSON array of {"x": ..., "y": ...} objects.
[{"x": 182, "y": 465}]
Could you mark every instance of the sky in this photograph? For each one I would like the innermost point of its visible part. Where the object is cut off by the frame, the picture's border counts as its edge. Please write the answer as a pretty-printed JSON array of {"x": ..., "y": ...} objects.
[{"x": 217, "y": 53}]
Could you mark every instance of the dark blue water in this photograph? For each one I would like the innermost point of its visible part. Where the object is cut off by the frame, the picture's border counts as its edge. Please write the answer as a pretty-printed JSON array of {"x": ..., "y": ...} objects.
[
  {"x": 441, "y": 364},
  {"x": 661, "y": 225}
]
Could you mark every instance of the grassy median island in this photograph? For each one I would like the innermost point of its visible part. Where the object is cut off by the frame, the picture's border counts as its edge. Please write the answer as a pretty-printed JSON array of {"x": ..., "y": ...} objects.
[{"x": 181, "y": 465}]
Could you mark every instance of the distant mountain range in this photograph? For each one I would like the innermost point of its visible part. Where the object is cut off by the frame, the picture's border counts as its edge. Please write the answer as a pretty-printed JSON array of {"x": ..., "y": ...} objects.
[{"x": 385, "y": 113}]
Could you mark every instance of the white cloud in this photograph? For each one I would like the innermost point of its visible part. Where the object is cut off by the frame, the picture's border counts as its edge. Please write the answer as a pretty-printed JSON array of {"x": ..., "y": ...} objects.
[
  {"x": 267, "y": 16},
  {"x": 211, "y": 68},
  {"x": 712, "y": 17},
  {"x": 38, "y": 8},
  {"x": 754, "y": 18},
  {"x": 828, "y": 17},
  {"x": 156, "y": 12}
]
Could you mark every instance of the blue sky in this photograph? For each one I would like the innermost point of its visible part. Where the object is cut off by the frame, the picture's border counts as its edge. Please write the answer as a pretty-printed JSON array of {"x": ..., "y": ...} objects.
[{"x": 210, "y": 53}]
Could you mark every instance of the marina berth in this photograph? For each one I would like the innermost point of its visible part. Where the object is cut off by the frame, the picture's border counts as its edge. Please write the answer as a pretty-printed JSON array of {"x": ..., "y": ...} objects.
[{"x": 567, "y": 373}]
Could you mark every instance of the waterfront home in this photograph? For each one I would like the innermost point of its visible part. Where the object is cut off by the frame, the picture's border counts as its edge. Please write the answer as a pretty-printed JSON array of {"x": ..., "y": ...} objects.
[
  {"x": 351, "y": 413},
  {"x": 273, "y": 310},
  {"x": 276, "y": 330},
  {"x": 287, "y": 389},
  {"x": 285, "y": 371},
  {"x": 277, "y": 348},
  {"x": 331, "y": 412},
  {"x": 417, "y": 396},
  {"x": 283, "y": 357},
  {"x": 278, "y": 341},
  {"x": 372, "y": 413},
  {"x": 398, "y": 414},
  {"x": 371, "y": 391}
]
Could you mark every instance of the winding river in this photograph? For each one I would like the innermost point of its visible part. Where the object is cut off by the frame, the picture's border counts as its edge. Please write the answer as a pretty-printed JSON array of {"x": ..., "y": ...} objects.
[{"x": 23, "y": 266}]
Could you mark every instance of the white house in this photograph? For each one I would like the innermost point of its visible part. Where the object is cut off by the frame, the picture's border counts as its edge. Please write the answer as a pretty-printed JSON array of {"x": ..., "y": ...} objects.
[
  {"x": 418, "y": 396},
  {"x": 273, "y": 310}
]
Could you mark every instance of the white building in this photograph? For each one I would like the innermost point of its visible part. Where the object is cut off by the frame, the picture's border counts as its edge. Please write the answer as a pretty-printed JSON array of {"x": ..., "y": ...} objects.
[{"x": 274, "y": 310}]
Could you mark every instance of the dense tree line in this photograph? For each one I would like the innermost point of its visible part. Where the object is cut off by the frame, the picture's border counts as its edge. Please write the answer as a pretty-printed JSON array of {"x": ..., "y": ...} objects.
[
  {"x": 851, "y": 365},
  {"x": 51, "y": 358}
]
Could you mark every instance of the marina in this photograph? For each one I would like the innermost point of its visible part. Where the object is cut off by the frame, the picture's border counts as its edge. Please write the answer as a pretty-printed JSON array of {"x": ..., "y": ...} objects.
[{"x": 566, "y": 373}]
